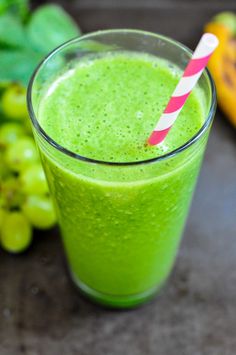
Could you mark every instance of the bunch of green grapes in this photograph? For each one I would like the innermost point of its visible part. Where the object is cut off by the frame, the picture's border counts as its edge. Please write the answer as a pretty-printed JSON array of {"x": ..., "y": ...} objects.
[{"x": 24, "y": 197}]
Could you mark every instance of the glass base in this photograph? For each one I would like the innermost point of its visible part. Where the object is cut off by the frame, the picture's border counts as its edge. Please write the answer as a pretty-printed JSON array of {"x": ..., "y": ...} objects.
[{"x": 112, "y": 301}]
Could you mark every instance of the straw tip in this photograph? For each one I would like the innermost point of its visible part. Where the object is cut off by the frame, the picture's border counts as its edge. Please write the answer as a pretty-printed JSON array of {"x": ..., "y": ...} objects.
[{"x": 210, "y": 40}]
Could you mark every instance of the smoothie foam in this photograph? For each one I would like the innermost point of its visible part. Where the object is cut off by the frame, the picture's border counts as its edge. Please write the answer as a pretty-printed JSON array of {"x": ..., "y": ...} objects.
[{"x": 105, "y": 108}]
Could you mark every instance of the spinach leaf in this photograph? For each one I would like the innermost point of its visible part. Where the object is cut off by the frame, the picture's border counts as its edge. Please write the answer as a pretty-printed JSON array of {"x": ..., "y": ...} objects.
[
  {"x": 18, "y": 8},
  {"x": 18, "y": 65},
  {"x": 12, "y": 33},
  {"x": 49, "y": 27}
]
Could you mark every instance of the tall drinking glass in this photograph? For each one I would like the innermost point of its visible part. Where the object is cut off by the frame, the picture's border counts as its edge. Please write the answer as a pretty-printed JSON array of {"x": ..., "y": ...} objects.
[{"x": 121, "y": 223}]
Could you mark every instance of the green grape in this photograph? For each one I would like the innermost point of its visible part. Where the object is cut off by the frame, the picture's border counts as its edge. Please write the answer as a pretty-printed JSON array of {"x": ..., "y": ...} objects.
[
  {"x": 40, "y": 211},
  {"x": 16, "y": 232},
  {"x": 21, "y": 154},
  {"x": 2, "y": 217},
  {"x": 4, "y": 84},
  {"x": 14, "y": 102},
  {"x": 3, "y": 202},
  {"x": 11, "y": 192},
  {"x": 3, "y": 168},
  {"x": 9, "y": 133},
  {"x": 5, "y": 173},
  {"x": 33, "y": 180}
]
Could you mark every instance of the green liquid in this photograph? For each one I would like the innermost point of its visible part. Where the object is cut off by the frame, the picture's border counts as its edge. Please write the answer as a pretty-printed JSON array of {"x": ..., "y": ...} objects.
[{"x": 121, "y": 225}]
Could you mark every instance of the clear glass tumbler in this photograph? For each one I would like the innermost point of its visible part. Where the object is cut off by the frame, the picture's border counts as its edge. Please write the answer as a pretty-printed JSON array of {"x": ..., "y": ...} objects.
[{"x": 121, "y": 223}]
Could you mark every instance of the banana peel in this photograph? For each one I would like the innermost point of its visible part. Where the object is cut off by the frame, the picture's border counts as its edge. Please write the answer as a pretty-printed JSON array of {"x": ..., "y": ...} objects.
[{"x": 222, "y": 64}]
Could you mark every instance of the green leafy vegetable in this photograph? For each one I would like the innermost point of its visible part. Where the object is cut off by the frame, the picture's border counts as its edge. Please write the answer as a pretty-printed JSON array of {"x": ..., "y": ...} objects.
[
  {"x": 49, "y": 27},
  {"x": 18, "y": 65},
  {"x": 18, "y": 8},
  {"x": 12, "y": 33},
  {"x": 22, "y": 46}
]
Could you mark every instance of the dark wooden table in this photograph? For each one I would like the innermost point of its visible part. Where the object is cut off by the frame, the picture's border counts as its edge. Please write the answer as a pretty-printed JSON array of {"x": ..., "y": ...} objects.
[{"x": 41, "y": 313}]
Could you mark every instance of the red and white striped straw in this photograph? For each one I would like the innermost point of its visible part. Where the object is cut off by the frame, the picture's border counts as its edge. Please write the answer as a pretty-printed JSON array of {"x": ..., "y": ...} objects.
[{"x": 192, "y": 73}]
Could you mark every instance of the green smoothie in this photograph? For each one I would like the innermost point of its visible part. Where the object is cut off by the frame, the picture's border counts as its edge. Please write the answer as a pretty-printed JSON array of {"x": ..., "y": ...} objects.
[{"x": 121, "y": 224}]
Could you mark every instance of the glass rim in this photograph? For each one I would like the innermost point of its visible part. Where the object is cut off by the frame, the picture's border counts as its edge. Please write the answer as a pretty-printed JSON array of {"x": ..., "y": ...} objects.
[{"x": 76, "y": 156}]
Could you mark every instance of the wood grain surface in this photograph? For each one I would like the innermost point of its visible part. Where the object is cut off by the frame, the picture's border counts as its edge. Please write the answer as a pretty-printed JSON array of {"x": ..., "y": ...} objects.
[{"x": 41, "y": 312}]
